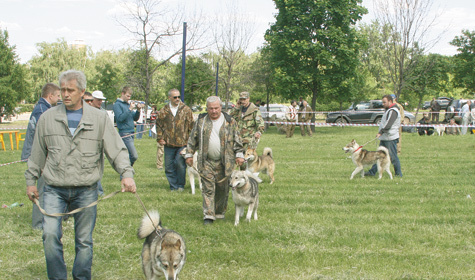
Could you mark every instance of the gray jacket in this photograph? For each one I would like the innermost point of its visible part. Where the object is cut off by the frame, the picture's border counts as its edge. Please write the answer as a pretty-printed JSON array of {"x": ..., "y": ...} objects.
[
  {"x": 71, "y": 161},
  {"x": 390, "y": 123}
]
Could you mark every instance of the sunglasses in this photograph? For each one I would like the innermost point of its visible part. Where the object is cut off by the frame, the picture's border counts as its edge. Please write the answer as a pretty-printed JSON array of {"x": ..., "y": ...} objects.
[
  {"x": 175, "y": 97},
  {"x": 88, "y": 100}
]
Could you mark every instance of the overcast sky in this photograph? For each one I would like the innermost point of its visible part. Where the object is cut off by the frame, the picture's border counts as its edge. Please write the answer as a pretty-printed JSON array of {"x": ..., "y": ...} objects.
[{"x": 32, "y": 21}]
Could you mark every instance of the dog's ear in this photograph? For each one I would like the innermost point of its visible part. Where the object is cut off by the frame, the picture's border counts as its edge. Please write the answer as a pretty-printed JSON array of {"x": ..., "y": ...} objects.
[{"x": 178, "y": 244}]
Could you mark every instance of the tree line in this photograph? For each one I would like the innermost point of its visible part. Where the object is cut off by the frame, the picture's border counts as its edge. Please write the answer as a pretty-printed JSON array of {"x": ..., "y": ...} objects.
[{"x": 317, "y": 50}]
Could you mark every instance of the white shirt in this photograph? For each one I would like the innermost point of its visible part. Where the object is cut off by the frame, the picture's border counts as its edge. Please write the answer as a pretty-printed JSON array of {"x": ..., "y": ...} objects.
[
  {"x": 173, "y": 109},
  {"x": 214, "y": 148}
]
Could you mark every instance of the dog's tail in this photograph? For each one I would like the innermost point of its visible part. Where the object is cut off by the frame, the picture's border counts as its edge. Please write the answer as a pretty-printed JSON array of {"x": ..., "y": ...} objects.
[
  {"x": 267, "y": 152},
  {"x": 384, "y": 150},
  {"x": 147, "y": 226}
]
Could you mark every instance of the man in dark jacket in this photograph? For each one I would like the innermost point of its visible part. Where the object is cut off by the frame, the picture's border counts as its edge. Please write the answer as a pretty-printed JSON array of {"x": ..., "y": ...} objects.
[
  {"x": 125, "y": 114},
  {"x": 50, "y": 95},
  {"x": 174, "y": 124}
]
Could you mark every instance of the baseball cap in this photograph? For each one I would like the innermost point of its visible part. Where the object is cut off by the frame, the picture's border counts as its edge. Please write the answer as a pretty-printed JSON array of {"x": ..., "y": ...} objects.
[
  {"x": 244, "y": 95},
  {"x": 98, "y": 94},
  {"x": 393, "y": 96}
]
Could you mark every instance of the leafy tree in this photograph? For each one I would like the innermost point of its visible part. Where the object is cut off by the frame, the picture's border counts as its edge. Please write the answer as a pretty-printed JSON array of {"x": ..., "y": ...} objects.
[
  {"x": 199, "y": 82},
  {"x": 465, "y": 61},
  {"x": 309, "y": 42},
  {"x": 430, "y": 78},
  {"x": 55, "y": 58},
  {"x": 13, "y": 86}
]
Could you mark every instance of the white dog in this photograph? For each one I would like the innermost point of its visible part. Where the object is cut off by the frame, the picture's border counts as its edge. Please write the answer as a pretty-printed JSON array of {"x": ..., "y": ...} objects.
[
  {"x": 193, "y": 174},
  {"x": 439, "y": 130}
]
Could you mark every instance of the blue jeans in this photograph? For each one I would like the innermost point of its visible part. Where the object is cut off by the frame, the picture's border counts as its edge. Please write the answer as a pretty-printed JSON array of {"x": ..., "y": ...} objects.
[
  {"x": 58, "y": 200},
  {"x": 391, "y": 145},
  {"x": 129, "y": 143},
  {"x": 140, "y": 128},
  {"x": 175, "y": 168}
]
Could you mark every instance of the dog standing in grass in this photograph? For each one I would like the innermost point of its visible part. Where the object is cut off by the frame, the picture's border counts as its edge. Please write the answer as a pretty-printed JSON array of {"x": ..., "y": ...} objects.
[
  {"x": 193, "y": 173},
  {"x": 263, "y": 163},
  {"x": 164, "y": 251},
  {"x": 362, "y": 158},
  {"x": 245, "y": 191}
]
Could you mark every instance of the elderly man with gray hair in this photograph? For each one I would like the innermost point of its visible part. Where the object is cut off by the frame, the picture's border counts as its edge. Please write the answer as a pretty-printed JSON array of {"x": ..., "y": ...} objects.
[
  {"x": 68, "y": 152},
  {"x": 216, "y": 136}
]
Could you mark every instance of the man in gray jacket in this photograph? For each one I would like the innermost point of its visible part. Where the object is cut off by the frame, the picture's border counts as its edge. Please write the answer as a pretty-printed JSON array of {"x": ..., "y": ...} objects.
[
  {"x": 68, "y": 151},
  {"x": 388, "y": 134}
]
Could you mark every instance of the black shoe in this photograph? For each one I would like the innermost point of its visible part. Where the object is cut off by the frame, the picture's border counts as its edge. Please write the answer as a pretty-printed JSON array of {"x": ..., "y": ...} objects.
[{"x": 208, "y": 222}]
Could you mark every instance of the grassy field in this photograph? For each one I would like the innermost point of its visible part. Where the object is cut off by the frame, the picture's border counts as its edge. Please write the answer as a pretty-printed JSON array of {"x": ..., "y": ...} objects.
[{"x": 314, "y": 223}]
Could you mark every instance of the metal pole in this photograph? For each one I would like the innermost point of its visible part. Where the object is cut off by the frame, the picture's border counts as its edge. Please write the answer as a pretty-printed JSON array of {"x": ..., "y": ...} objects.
[
  {"x": 183, "y": 64},
  {"x": 217, "y": 78}
]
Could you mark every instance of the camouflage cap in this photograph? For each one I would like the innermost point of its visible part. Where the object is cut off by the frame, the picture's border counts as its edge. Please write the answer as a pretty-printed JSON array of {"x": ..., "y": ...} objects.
[{"x": 244, "y": 95}]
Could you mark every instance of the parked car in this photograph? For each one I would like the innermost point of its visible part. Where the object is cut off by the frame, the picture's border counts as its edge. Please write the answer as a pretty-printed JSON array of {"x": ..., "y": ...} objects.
[
  {"x": 364, "y": 112},
  {"x": 443, "y": 102},
  {"x": 223, "y": 106},
  {"x": 426, "y": 105},
  {"x": 454, "y": 108},
  {"x": 276, "y": 112}
]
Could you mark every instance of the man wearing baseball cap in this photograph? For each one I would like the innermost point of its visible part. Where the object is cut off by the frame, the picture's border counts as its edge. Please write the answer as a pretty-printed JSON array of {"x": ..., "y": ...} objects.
[
  {"x": 401, "y": 111},
  {"x": 98, "y": 98},
  {"x": 249, "y": 120}
]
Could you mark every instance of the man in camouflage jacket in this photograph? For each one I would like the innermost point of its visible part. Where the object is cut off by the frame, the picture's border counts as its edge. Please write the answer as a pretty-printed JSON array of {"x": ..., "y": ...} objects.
[
  {"x": 305, "y": 118},
  {"x": 215, "y": 135},
  {"x": 249, "y": 120},
  {"x": 174, "y": 123}
]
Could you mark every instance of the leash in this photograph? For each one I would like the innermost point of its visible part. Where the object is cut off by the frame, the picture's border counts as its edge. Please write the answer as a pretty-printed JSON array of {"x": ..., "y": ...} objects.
[
  {"x": 75, "y": 210},
  {"x": 365, "y": 144},
  {"x": 148, "y": 215}
]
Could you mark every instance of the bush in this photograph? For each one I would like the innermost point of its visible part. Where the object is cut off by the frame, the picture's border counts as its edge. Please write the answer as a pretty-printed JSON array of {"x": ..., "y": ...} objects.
[{"x": 23, "y": 108}]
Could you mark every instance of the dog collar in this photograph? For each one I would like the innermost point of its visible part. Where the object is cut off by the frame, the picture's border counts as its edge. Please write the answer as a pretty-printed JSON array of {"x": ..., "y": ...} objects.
[{"x": 358, "y": 149}]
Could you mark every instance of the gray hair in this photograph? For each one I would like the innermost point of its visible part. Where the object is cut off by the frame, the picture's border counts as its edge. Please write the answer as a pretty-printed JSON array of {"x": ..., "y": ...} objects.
[
  {"x": 69, "y": 75},
  {"x": 172, "y": 90},
  {"x": 212, "y": 99}
]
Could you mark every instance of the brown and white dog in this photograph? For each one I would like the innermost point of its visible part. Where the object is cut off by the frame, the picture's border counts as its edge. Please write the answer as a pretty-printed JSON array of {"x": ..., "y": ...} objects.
[
  {"x": 362, "y": 158},
  {"x": 164, "y": 251},
  {"x": 245, "y": 192},
  {"x": 263, "y": 163}
]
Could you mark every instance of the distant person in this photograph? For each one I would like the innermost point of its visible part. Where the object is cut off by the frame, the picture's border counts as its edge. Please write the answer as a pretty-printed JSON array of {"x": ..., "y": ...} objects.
[
  {"x": 68, "y": 153},
  {"x": 249, "y": 120},
  {"x": 160, "y": 148},
  {"x": 50, "y": 95},
  {"x": 425, "y": 130},
  {"x": 216, "y": 135},
  {"x": 141, "y": 122},
  {"x": 435, "y": 110},
  {"x": 291, "y": 117},
  {"x": 125, "y": 114},
  {"x": 453, "y": 129},
  {"x": 465, "y": 113},
  {"x": 305, "y": 119},
  {"x": 401, "y": 112},
  {"x": 174, "y": 124},
  {"x": 258, "y": 102},
  {"x": 388, "y": 134}
]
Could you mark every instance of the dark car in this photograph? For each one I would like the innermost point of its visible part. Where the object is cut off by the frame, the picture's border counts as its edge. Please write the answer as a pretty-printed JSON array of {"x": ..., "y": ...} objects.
[
  {"x": 443, "y": 102},
  {"x": 364, "y": 112},
  {"x": 426, "y": 105},
  {"x": 454, "y": 108}
]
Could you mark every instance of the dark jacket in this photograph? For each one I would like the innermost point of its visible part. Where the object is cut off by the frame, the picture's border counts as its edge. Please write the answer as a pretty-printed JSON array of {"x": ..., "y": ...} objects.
[
  {"x": 124, "y": 117},
  {"x": 39, "y": 109}
]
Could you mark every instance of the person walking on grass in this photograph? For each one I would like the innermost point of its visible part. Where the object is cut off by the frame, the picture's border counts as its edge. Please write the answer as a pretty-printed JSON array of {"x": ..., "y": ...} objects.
[
  {"x": 68, "y": 152},
  {"x": 216, "y": 136},
  {"x": 50, "y": 95},
  {"x": 388, "y": 134}
]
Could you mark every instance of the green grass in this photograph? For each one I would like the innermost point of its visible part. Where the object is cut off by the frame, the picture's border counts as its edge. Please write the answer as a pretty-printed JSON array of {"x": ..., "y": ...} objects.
[{"x": 314, "y": 223}]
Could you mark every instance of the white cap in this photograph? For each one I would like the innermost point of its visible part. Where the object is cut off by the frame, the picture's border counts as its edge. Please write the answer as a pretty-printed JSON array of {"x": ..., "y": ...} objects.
[{"x": 98, "y": 94}]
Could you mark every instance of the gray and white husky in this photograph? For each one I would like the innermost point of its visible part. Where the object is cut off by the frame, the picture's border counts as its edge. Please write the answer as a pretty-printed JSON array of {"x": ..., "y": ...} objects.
[
  {"x": 245, "y": 191},
  {"x": 362, "y": 158},
  {"x": 164, "y": 251}
]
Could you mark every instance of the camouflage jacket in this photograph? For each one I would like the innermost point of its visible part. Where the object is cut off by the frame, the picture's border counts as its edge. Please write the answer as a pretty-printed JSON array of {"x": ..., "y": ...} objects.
[
  {"x": 303, "y": 116},
  {"x": 175, "y": 130},
  {"x": 249, "y": 123},
  {"x": 231, "y": 145}
]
